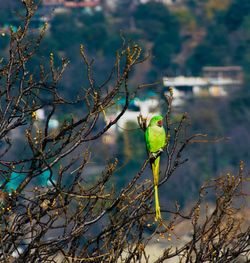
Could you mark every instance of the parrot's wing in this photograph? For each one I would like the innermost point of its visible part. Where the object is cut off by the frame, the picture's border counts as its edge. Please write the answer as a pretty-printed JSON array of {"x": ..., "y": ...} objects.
[
  {"x": 147, "y": 135},
  {"x": 155, "y": 138}
]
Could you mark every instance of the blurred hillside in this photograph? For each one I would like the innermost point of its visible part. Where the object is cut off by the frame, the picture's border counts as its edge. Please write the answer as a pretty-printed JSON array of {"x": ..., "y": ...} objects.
[{"x": 181, "y": 38}]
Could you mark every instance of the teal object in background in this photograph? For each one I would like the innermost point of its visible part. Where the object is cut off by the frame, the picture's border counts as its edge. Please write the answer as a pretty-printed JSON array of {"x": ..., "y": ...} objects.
[
  {"x": 43, "y": 179},
  {"x": 16, "y": 178}
]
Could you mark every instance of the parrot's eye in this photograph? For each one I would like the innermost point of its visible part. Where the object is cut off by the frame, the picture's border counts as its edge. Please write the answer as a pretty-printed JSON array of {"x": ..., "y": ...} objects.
[{"x": 160, "y": 123}]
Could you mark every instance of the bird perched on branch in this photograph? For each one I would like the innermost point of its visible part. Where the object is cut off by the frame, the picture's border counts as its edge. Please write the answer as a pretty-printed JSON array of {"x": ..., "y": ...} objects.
[{"x": 155, "y": 137}]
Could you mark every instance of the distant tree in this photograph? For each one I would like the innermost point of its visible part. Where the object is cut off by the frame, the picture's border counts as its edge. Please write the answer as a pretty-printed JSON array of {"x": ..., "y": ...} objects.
[
  {"x": 187, "y": 20},
  {"x": 78, "y": 218},
  {"x": 213, "y": 6},
  {"x": 162, "y": 28},
  {"x": 162, "y": 54},
  {"x": 212, "y": 51},
  {"x": 236, "y": 14},
  {"x": 7, "y": 8}
]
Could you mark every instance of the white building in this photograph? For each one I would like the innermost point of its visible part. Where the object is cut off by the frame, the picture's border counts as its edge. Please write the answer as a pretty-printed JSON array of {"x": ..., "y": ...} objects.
[
  {"x": 53, "y": 2},
  {"x": 165, "y": 2},
  {"x": 147, "y": 108},
  {"x": 215, "y": 82}
]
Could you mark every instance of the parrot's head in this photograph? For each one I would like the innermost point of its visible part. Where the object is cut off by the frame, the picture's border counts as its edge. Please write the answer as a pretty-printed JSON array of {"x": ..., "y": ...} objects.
[{"x": 156, "y": 121}]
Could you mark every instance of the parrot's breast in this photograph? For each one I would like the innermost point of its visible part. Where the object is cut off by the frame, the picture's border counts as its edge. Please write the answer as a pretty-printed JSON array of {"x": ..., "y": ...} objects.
[{"x": 155, "y": 138}]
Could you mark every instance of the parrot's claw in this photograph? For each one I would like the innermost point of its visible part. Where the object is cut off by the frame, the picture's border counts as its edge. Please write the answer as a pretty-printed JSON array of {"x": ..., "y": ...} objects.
[{"x": 153, "y": 155}]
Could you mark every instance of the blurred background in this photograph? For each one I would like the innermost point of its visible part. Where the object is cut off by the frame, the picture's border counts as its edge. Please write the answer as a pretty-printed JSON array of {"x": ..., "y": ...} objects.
[{"x": 199, "y": 48}]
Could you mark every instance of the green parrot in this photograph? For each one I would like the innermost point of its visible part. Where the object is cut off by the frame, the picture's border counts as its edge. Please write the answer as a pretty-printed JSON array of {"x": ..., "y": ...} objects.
[{"x": 155, "y": 137}]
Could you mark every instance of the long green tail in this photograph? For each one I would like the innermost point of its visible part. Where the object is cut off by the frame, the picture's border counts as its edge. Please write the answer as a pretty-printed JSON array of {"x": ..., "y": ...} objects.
[{"x": 155, "y": 170}]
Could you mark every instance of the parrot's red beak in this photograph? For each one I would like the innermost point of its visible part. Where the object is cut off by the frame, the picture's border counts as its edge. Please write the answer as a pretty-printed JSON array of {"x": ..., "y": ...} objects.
[{"x": 160, "y": 123}]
